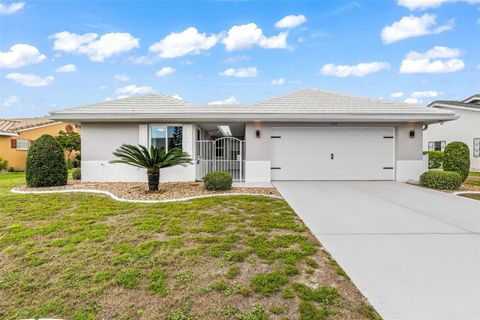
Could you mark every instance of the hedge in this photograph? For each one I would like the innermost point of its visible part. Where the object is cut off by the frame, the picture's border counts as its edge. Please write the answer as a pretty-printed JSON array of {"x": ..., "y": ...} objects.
[
  {"x": 457, "y": 159},
  {"x": 444, "y": 180},
  {"x": 435, "y": 159},
  {"x": 46, "y": 163},
  {"x": 218, "y": 181}
]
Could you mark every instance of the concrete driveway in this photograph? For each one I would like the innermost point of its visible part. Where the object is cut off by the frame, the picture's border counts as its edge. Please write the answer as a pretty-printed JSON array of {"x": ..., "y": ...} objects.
[{"x": 414, "y": 253}]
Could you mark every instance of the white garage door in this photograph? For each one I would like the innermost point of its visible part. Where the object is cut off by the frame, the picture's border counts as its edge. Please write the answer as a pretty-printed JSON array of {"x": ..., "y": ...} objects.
[{"x": 332, "y": 153}]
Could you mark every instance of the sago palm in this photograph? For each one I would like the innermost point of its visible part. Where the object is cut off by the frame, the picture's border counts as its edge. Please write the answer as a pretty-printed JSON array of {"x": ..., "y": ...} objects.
[{"x": 153, "y": 160}]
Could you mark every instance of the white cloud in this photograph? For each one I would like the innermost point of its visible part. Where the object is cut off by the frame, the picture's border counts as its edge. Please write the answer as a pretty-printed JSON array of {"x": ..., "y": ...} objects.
[
  {"x": 412, "y": 101},
  {"x": 360, "y": 70},
  {"x": 97, "y": 49},
  {"x": 427, "y": 4},
  {"x": 235, "y": 59},
  {"x": 231, "y": 100},
  {"x": 20, "y": 55},
  {"x": 176, "y": 96},
  {"x": 133, "y": 89},
  {"x": 165, "y": 71},
  {"x": 121, "y": 77},
  {"x": 108, "y": 99},
  {"x": 278, "y": 82},
  {"x": 249, "y": 35},
  {"x": 123, "y": 96},
  {"x": 67, "y": 68},
  {"x": 30, "y": 80},
  {"x": 396, "y": 94},
  {"x": 249, "y": 72},
  {"x": 436, "y": 60},
  {"x": 291, "y": 21},
  {"x": 102, "y": 88},
  {"x": 11, "y": 8},
  {"x": 10, "y": 101},
  {"x": 413, "y": 26},
  {"x": 178, "y": 44},
  {"x": 425, "y": 94}
]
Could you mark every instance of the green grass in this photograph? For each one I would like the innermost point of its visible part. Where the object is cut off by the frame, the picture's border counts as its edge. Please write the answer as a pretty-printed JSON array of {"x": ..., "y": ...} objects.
[
  {"x": 474, "y": 174},
  {"x": 81, "y": 256},
  {"x": 474, "y": 196}
]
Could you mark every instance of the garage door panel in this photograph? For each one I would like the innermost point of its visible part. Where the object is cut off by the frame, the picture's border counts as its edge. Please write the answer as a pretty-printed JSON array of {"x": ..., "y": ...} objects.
[{"x": 358, "y": 153}]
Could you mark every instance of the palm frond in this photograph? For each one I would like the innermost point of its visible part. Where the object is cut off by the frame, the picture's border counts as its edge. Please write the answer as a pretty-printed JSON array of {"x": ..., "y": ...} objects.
[{"x": 155, "y": 158}]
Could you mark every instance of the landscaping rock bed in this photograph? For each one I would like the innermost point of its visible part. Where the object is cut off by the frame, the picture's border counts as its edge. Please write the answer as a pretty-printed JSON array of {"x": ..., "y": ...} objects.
[{"x": 168, "y": 190}]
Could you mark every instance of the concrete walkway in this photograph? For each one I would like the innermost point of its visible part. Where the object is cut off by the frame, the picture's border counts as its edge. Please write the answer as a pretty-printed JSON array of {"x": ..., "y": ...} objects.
[{"x": 413, "y": 252}]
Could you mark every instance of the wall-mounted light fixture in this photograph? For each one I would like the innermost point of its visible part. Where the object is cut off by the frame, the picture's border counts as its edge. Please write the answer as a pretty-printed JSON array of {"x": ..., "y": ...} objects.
[
  {"x": 412, "y": 134},
  {"x": 257, "y": 133}
]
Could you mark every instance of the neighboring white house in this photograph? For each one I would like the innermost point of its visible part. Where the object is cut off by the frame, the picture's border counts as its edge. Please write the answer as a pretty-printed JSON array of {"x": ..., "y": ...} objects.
[
  {"x": 465, "y": 129},
  {"x": 306, "y": 135}
]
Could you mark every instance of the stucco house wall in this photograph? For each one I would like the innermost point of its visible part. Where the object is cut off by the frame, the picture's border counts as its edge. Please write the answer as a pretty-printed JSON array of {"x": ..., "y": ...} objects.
[
  {"x": 465, "y": 129},
  {"x": 17, "y": 158},
  {"x": 100, "y": 140}
]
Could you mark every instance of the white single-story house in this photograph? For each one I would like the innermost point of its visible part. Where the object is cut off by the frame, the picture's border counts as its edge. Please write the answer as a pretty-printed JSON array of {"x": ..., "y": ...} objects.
[
  {"x": 306, "y": 135},
  {"x": 465, "y": 129}
]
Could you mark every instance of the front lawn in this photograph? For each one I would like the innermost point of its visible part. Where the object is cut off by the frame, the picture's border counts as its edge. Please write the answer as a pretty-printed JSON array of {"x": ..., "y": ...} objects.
[{"x": 80, "y": 256}]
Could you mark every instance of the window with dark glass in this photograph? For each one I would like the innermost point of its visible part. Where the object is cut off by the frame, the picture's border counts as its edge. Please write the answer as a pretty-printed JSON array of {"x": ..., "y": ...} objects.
[
  {"x": 174, "y": 137},
  {"x": 168, "y": 137}
]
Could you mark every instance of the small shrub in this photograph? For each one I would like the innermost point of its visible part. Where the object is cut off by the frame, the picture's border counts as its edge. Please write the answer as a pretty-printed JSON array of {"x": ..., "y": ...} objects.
[
  {"x": 457, "y": 159},
  {"x": 269, "y": 283},
  {"x": 46, "y": 163},
  {"x": 435, "y": 159},
  {"x": 444, "y": 180},
  {"x": 218, "y": 181},
  {"x": 77, "y": 174},
  {"x": 3, "y": 164}
]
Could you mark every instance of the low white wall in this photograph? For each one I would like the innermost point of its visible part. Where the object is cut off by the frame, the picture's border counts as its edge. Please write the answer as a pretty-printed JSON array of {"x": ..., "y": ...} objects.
[
  {"x": 257, "y": 171},
  {"x": 411, "y": 170},
  {"x": 103, "y": 171}
]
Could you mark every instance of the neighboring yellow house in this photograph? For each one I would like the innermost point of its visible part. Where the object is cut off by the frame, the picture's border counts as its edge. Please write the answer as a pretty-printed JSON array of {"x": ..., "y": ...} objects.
[{"x": 16, "y": 136}]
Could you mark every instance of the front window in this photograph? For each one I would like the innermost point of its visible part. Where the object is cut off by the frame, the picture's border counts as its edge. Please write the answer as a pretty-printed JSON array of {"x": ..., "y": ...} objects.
[
  {"x": 476, "y": 147},
  {"x": 23, "y": 144},
  {"x": 168, "y": 137},
  {"x": 436, "y": 145}
]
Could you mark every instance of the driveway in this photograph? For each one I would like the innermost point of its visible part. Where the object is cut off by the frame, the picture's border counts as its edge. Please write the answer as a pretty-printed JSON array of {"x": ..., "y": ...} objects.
[{"x": 413, "y": 252}]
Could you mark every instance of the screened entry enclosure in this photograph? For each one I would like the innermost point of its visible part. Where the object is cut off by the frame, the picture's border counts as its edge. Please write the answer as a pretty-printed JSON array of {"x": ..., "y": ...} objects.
[{"x": 221, "y": 154}]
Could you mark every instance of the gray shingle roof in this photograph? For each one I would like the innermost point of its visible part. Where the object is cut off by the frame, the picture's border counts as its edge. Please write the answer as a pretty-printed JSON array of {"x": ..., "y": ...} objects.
[
  {"x": 309, "y": 104},
  {"x": 471, "y": 103}
]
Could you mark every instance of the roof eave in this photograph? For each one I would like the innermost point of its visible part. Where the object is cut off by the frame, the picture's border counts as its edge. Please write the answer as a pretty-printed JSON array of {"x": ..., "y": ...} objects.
[
  {"x": 236, "y": 117},
  {"x": 445, "y": 105}
]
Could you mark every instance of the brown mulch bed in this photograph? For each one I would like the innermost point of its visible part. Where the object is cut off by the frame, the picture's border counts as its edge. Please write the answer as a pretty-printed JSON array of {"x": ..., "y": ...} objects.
[{"x": 168, "y": 190}]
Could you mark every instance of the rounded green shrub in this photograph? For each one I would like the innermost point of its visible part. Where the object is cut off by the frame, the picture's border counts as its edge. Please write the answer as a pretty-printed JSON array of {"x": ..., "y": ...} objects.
[
  {"x": 457, "y": 158},
  {"x": 218, "y": 181},
  {"x": 435, "y": 159},
  {"x": 444, "y": 180},
  {"x": 46, "y": 163},
  {"x": 3, "y": 164},
  {"x": 76, "y": 174}
]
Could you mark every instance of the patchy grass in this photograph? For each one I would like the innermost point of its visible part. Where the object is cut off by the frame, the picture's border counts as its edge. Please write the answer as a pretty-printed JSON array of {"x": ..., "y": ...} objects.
[
  {"x": 80, "y": 256},
  {"x": 475, "y": 196}
]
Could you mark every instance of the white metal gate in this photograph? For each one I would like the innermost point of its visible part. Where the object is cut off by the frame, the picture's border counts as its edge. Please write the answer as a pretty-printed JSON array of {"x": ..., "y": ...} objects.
[{"x": 222, "y": 154}]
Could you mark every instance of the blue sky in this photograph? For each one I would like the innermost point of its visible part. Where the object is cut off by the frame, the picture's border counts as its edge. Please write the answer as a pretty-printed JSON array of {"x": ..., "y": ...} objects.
[{"x": 56, "y": 54}]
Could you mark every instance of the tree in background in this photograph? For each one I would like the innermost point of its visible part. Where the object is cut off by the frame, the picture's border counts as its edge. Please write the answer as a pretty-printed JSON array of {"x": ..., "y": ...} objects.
[{"x": 69, "y": 141}]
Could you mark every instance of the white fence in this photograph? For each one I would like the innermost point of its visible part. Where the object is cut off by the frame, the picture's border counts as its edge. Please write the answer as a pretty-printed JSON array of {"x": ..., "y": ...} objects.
[{"x": 223, "y": 154}]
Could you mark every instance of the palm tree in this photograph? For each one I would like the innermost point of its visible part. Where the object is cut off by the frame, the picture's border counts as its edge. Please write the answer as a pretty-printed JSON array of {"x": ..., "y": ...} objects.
[{"x": 153, "y": 160}]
